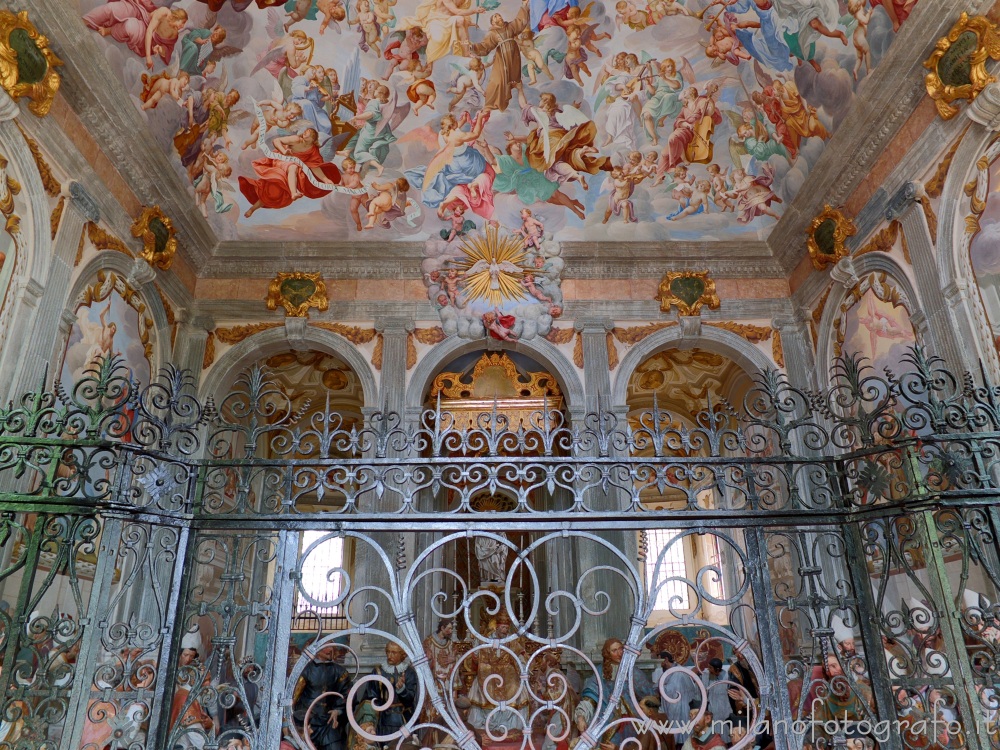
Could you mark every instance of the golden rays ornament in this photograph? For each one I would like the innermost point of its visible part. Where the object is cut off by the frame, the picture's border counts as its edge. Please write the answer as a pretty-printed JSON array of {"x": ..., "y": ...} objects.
[{"x": 492, "y": 267}]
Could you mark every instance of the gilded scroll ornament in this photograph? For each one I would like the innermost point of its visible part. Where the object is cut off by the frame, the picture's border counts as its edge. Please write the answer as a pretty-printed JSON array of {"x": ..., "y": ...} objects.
[
  {"x": 958, "y": 64},
  {"x": 235, "y": 334},
  {"x": 297, "y": 292},
  {"x": 159, "y": 241},
  {"x": 826, "y": 237},
  {"x": 27, "y": 65},
  {"x": 688, "y": 291}
]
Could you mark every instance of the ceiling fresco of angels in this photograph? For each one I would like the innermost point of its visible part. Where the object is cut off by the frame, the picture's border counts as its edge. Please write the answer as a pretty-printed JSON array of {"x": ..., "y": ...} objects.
[{"x": 343, "y": 120}]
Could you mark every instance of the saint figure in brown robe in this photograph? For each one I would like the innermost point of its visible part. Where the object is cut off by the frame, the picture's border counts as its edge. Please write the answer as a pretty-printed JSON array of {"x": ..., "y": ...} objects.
[{"x": 506, "y": 72}]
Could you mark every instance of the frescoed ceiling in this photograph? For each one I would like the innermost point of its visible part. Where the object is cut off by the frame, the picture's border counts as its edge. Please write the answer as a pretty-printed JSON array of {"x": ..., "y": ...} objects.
[{"x": 399, "y": 120}]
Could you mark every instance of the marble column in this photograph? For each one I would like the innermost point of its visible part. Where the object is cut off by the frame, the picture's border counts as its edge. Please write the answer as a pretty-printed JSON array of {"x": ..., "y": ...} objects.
[{"x": 46, "y": 323}]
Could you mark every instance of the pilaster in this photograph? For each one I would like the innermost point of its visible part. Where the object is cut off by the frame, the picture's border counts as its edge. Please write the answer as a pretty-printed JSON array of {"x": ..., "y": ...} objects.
[
  {"x": 800, "y": 360},
  {"x": 592, "y": 559},
  {"x": 38, "y": 344},
  {"x": 596, "y": 374},
  {"x": 190, "y": 342},
  {"x": 941, "y": 334}
]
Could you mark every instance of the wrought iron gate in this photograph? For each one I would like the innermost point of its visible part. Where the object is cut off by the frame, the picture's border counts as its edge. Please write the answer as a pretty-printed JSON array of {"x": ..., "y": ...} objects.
[{"x": 184, "y": 574}]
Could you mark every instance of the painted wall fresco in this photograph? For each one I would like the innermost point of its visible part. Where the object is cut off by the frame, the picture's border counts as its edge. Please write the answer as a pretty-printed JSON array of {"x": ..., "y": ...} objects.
[
  {"x": 984, "y": 248},
  {"x": 630, "y": 120},
  {"x": 105, "y": 327},
  {"x": 879, "y": 330}
]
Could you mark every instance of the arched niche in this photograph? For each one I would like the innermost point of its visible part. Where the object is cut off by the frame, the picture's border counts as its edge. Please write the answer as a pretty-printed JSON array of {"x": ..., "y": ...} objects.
[
  {"x": 744, "y": 354},
  {"x": 26, "y": 242},
  {"x": 236, "y": 360},
  {"x": 881, "y": 284},
  {"x": 974, "y": 259},
  {"x": 539, "y": 350},
  {"x": 110, "y": 316}
]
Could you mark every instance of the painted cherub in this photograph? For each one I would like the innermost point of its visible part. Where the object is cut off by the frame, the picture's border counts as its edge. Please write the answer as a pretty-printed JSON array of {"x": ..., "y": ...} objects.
[
  {"x": 648, "y": 167},
  {"x": 577, "y": 18},
  {"x": 528, "y": 282},
  {"x": 631, "y": 16},
  {"x": 754, "y": 194},
  {"x": 720, "y": 188},
  {"x": 385, "y": 199},
  {"x": 333, "y": 12},
  {"x": 499, "y": 326},
  {"x": 350, "y": 177},
  {"x": 531, "y": 229},
  {"x": 400, "y": 50},
  {"x": 214, "y": 170},
  {"x": 276, "y": 115},
  {"x": 421, "y": 90},
  {"x": 368, "y": 26},
  {"x": 633, "y": 165},
  {"x": 698, "y": 202},
  {"x": 469, "y": 79},
  {"x": 384, "y": 14},
  {"x": 620, "y": 200},
  {"x": 660, "y": 9},
  {"x": 450, "y": 284},
  {"x": 682, "y": 183},
  {"x": 863, "y": 16},
  {"x": 536, "y": 62},
  {"x": 154, "y": 88},
  {"x": 457, "y": 222},
  {"x": 576, "y": 56}
]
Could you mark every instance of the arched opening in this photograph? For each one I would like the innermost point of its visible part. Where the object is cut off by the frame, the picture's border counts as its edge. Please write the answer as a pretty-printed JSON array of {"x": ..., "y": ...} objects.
[{"x": 308, "y": 405}]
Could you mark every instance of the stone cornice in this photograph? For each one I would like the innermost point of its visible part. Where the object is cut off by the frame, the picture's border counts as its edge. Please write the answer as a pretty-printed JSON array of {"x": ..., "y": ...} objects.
[{"x": 585, "y": 260}]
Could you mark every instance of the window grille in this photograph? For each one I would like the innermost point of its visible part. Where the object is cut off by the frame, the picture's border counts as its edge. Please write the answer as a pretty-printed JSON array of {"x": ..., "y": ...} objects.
[{"x": 673, "y": 593}]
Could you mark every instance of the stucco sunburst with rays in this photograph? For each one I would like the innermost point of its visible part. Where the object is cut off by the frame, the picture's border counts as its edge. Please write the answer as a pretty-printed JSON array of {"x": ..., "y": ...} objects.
[{"x": 492, "y": 267}]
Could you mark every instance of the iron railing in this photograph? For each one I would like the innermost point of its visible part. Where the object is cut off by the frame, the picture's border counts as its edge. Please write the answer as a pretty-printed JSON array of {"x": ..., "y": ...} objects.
[{"x": 840, "y": 545}]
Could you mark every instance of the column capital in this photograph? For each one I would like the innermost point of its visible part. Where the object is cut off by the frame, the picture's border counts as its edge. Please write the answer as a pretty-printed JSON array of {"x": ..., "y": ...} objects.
[
  {"x": 141, "y": 273},
  {"x": 985, "y": 108},
  {"x": 295, "y": 331},
  {"x": 903, "y": 199},
  {"x": 84, "y": 202},
  {"x": 8, "y": 107},
  {"x": 392, "y": 325},
  {"x": 844, "y": 273},
  {"x": 594, "y": 325}
]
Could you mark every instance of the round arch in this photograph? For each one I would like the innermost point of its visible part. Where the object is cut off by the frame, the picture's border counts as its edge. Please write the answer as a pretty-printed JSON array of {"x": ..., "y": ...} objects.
[
  {"x": 866, "y": 264},
  {"x": 538, "y": 349},
  {"x": 24, "y": 285},
  {"x": 978, "y": 150},
  {"x": 747, "y": 356},
  {"x": 121, "y": 265},
  {"x": 261, "y": 345}
]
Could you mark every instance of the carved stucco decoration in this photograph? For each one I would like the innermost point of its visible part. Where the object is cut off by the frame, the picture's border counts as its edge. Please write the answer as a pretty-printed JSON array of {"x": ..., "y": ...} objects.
[
  {"x": 159, "y": 241},
  {"x": 827, "y": 236},
  {"x": 101, "y": 240},
  {"x": 958, "y": 64},
  {"x": 495, "y": 375},
  {"x": 27, "y": 65},
  {"x": 688, "y": 291},
  {"x": 755, "y": 335},
  {"x": 235, "y": 334},
  {"x": 297, "y": 292}
]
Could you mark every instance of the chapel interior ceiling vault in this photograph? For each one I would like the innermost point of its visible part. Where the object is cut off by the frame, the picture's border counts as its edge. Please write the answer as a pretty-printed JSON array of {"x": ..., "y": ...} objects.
[{"x": 418, "y": 98}]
